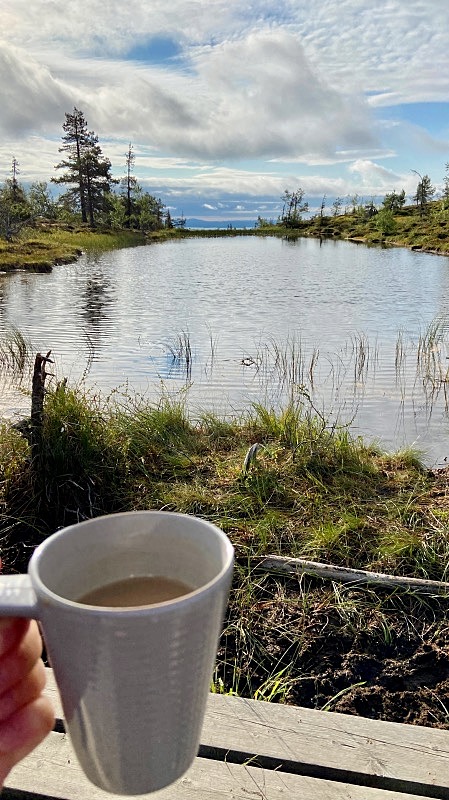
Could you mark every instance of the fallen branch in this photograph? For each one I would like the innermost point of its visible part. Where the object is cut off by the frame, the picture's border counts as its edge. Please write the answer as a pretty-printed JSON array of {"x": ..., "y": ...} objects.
[{"x": 298, "y": 566}]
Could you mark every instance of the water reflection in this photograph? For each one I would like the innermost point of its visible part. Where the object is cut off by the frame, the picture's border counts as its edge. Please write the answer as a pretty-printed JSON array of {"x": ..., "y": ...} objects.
[
  {"x": 246, "y": 319},
  {"x": 96, "y": 304},
  {"x": 95, "y": 300},
  {"x": 4, "y": 284}
]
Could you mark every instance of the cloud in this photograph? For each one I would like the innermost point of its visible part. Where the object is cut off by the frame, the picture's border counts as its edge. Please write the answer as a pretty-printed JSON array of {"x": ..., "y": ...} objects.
[
  {"x": 389, "y": 49},
  {"x": 293, "y": 82},
  {"x": 340, "y": 157},
  {"x": 36, "y": 155},
  {"x": 417, "y": 137},
  {"x": 265, "y": 100},
  {"x": 31, "y": 97},
  {"x": 376, "y": 179},
  {"x": 217, "y": 182},
  {"x": 253, "y": 97},
  {"x": 96, "y": 28}
]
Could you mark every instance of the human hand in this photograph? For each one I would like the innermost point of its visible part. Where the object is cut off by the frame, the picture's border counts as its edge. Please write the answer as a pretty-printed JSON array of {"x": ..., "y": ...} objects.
[{"x": 25, "y": 715}]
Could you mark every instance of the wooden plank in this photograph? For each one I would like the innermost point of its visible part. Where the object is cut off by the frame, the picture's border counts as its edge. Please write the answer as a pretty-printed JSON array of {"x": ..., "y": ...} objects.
[
  {"x": 398, "y": 757},
  {"x": 52, "y": 771}
]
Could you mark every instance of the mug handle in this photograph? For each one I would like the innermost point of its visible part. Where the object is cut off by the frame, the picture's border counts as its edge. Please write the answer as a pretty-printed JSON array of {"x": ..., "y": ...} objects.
[{"x": 17, "y": 597}]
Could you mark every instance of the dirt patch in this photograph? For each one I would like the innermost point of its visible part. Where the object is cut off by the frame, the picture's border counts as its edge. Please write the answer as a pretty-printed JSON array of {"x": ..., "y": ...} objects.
[
  {"x": 397, "y": 685},
  {"x": 367, "y": 652}
]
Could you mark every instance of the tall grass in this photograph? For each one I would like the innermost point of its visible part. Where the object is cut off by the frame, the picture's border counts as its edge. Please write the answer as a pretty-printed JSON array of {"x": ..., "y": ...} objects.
[
  {"x": 42, "y": 247},
  {"x": 60, "y": 237},
  {"x": 432, "y": 358},
  {"x": 295, "y": 368},
  {"x": 15, "y": 354},
  {"x": 311, "y": 488}
]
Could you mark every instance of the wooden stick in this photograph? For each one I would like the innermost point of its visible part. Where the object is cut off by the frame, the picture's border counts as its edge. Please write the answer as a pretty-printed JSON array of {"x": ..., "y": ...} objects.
[
  {"x": 298, "y": 566},
  {"x": 37, "y": 400}
]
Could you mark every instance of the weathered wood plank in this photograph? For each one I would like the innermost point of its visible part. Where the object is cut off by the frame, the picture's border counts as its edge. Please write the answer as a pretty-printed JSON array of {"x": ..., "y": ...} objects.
[
  {"x": 334, "y": 746},
  {"x": 340, "y": 746},
  {"x": 52, "y": 771}
]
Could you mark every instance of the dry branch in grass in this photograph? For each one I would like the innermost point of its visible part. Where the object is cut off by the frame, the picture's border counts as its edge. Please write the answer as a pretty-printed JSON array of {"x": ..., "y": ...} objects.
[{"x": 297, "y": 566}]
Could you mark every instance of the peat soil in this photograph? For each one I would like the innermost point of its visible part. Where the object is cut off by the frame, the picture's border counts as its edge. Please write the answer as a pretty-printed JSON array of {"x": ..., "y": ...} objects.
[
  {"x": 354, "y": 650},
  {"x": 405, "y": 682}
]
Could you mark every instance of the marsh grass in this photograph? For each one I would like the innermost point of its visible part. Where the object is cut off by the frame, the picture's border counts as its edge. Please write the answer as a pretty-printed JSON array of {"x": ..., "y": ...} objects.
[
  {"x": 180, "y": 350},
  {"x": 311, "y": 486},
  {"x": 428, "y": 232},
  {"x": 295, "y": 369},
  {"x": 311, "y": 491},
  {"x": 15, "y": 354},
  {"x": 432, "y": 361}
]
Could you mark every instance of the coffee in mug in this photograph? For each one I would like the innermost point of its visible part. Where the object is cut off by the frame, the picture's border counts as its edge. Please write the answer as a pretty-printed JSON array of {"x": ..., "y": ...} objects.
[{"x": 138, "y": 590}]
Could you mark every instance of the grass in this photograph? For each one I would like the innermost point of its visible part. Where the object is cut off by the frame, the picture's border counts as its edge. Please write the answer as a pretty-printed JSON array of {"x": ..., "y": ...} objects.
[
  {"x": 41, "y": 247},
  {"x": 15, "y": 354},
  {"x": 180, "y": 350},
  {"x": 310, "y": 490},
  {"x": 430, "y": 232}
]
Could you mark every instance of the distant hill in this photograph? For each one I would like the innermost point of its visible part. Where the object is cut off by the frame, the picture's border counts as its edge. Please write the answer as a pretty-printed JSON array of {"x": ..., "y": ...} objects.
[{"x": 192, "y": 222}]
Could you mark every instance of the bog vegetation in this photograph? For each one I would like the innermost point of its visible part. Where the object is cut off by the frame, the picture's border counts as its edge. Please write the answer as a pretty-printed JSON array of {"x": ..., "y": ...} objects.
[{"x": 308, "y": 489}]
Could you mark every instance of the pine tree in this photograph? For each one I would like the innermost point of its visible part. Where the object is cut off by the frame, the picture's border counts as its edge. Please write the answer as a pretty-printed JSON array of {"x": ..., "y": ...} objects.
[
  {"x": 394, "y": 201},
  {"x": 424, "y": 193},
  {"x": 87, "y": 170},
  {"x": 16, "y": 190},
  {"x": 15, "y": 210},
  {"x": 336, "y": 206},
  {"x": 293, "y": 206},
  {"x": 97, "y": 171},
  {"x": 74, "y": 145}
]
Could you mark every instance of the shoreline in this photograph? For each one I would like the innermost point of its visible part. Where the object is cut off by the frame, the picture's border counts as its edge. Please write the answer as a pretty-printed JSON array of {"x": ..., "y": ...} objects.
[{"x": 44, "y": 246}]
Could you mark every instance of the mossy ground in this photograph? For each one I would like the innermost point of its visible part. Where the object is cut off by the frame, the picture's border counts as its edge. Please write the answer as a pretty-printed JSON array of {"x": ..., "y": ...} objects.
[
  {"x": 43, "y": 246},
  {"x": 429, "y": 232}
]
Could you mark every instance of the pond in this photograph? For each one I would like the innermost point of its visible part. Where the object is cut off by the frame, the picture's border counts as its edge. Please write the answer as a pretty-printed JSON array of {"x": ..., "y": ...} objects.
[{"x": 361, "y": 333}]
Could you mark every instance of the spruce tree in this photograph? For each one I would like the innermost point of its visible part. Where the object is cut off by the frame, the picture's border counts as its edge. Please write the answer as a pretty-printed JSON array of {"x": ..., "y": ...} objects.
[{"x": 129, "y": 184}]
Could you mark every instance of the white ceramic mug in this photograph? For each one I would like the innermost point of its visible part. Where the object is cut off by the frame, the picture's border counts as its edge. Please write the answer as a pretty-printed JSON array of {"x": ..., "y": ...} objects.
[{"x": 133, "y": 681}]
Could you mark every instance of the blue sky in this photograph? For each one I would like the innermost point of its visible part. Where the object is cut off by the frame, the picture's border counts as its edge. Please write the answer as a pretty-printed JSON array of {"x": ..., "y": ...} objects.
[{"x": 227, "y": 104}]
